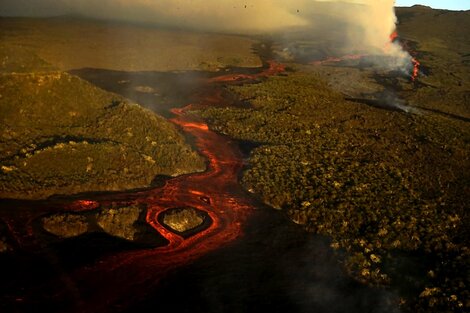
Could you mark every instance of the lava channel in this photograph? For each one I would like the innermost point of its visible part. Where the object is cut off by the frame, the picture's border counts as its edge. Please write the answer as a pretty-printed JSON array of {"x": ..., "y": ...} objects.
[{"x": 216, "y": 191}]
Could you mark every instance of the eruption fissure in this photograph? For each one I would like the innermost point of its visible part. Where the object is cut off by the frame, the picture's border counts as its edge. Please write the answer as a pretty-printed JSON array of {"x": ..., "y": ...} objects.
[
  {"x": 413, "y": 62},
  {"x": 415, "y": 72}
]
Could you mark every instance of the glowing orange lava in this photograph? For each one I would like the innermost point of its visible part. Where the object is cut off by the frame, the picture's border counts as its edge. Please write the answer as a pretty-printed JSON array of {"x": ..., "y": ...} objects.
[
  {"x": 393, "y": 37},
  {"x": 273, "y": 69},
  {"x": 416, "y": 64},
  {"x": 84, "y": 205},
  {"x": 215, "y": 192},
  {"x": 415, "y": 73}
]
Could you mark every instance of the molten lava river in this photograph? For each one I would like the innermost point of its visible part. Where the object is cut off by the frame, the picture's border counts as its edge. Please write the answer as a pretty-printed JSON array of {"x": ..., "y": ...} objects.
[{"x": 243, "y": 259}]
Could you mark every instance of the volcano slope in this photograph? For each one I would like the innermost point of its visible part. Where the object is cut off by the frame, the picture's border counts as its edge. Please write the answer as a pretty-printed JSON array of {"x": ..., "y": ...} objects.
[
  {"x": 436, "y": 38},
  {"x": 61, "y": 135},
  {"x": 389, "y": 184}
]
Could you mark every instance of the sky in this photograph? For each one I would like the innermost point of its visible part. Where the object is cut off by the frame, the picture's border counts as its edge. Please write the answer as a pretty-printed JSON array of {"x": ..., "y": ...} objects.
[{"x": 437, "y": 4}]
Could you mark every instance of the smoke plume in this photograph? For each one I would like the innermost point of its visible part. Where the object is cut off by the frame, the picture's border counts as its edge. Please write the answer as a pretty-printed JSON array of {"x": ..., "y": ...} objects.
[{"x": 351, "y": 25}]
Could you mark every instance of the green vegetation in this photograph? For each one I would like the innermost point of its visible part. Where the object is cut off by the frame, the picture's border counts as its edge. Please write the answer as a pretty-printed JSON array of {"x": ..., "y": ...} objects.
[
  {"x": 183, "y": 219},
  {"x": 14, "y": 60},
  {"x": 3, "y": 245},
  {"x": 61, "y": 135},
  {"x": 389, "y": 188},
  {"x": 120, "y": 222},
  {"x": 65, "y": 225},
  {"x": 123, "y": 222}
]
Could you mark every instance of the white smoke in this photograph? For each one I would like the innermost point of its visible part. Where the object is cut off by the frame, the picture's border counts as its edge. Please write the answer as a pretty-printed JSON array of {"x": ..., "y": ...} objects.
[{"x": 358, "y": 24}]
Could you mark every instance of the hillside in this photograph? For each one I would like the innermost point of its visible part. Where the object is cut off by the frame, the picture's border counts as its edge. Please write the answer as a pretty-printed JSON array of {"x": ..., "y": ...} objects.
[
  {"x": 438, "y": 38},
  {"x": 62, "y": 135},
  {"x": 74, "y": 43}
]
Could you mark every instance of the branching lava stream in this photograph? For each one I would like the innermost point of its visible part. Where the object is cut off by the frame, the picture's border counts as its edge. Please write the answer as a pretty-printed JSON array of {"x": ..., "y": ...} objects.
[{"x": 215, "y": 192}]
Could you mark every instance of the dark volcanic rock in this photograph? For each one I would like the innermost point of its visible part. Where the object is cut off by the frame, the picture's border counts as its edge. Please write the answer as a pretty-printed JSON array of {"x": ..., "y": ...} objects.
[{"x": 4, "y": 246}]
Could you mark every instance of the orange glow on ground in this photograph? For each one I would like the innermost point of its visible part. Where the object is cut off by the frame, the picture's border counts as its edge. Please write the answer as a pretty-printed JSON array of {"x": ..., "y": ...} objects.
[
  {"x": 84, "y": 205},
  {"x": 339, "y": 59},
  {"x": 393, "y": 37},
  {"x": 415, "y": 73},
  {"x": 216, "y": 192},
  {"x": 273, "y": 69}
]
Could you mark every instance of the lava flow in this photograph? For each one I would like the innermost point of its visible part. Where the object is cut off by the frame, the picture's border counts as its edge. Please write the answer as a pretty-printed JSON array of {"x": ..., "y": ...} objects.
[
  {"x": 339, "y": 59},
  {"x": 416, "y": 64},
  {"x": 113, "y": 278},
  {"x": 273, "y": 69},
  {"x": 415, "y": 72},
  {"x": 393, "y": 38}
]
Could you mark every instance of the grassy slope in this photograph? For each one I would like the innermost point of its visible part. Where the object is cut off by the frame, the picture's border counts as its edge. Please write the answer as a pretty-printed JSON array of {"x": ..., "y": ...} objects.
[
  {"x": 441, "y": 41},
  {"x": 380, "y": 183},
  {"x": 70, "y": 43},
  {"x": 62, "y": 135}
]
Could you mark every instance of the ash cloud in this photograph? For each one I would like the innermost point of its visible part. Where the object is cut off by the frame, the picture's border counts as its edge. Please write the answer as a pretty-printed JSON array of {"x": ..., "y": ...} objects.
[{"x": 350, "y": 25}]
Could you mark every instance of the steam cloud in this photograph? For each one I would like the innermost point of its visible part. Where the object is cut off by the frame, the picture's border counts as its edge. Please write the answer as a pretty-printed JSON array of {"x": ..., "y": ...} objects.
[{"x": 355, "y": 24}]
